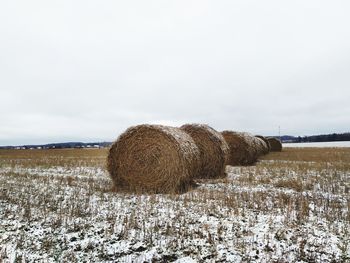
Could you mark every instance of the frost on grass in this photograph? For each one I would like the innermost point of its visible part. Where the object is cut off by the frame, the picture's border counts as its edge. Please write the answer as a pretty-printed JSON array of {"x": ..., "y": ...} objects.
[{"x": 277, "y": 211}]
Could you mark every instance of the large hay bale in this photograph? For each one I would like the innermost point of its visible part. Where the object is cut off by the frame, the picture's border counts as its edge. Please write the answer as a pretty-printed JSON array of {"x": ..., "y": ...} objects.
[
  {"x": 260, "y": 146},
  {"x": 153, "y": 159},
  {"x": 266, "y": 144},
  {"x": 212, "y": 147},
  {"x": 242, "y": 150},
  {"x": 254, "y": 146},
  {"x": 275, "y": 144}
]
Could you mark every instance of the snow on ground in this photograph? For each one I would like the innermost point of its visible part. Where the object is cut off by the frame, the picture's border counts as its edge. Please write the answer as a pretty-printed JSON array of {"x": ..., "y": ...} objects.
[
  {"x": 276, "y": 211},
  {"x": 318, "y": 144}
]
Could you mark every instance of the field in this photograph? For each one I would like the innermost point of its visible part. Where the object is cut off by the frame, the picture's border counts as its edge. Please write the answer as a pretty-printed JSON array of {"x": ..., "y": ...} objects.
[
  {"x": 319, "y": 144},
  {"x": 59, "y": 206}
]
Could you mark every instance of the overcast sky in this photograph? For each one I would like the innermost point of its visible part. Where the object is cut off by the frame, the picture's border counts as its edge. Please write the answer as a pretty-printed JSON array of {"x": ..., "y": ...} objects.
[{"x": 87, "y": 70}]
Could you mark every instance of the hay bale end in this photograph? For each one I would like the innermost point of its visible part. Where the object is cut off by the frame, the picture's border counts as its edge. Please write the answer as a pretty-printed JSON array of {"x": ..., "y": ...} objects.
[
  {"x": 153, "y": 159},
  {"x": 275, "y": 144}
]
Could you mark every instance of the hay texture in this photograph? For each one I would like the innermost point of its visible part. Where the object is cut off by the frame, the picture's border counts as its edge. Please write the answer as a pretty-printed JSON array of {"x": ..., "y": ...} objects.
[
  {"x": 255, "y": 147},
  {"x": 212, "y": 147},
  {"x": 153, "y": 159},
  {"x": 242, "y": 149},
  {"x": 239, "y": 148},
  {"x": 275, "y": 144},
  {"x": 265, "y": 145}
]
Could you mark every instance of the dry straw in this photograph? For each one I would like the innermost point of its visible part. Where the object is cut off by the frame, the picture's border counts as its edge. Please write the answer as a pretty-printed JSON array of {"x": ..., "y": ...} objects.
[
  {"x": 255, "y": 148},
  {"x": 266, "y": 144},
  {"x": 244, "y": 148},
  {"x": 241, "y": 149},
  {"x": 212, "y": 147},
  {"x": 153, "y": 159},
  {"x": 275, "y": 144}
]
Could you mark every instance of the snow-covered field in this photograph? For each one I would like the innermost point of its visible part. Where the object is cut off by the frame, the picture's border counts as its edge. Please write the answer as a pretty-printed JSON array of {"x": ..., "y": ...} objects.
[
  {"x": 58, "y": 206},
  {"x": 318, "y": 144}
]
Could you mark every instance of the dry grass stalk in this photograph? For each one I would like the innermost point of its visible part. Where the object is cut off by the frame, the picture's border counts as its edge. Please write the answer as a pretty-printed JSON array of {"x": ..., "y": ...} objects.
[
  {"x": 212, "y": 147},
  {"x": 153, "y": 159},
  {"x": 89, "y": 209}
]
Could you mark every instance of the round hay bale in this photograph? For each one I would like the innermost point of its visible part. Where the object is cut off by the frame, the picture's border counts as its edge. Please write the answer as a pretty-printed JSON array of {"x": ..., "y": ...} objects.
[
  {"x": 254, "y": 146},
  {"x": 212, "y": 147},
  {"x": 153, "y": 159},
  {"x": 263, "y": 149},
  {"x": 242, "y": 150},
  {"x": 260, "y": 146},
  {"x": 275, "y": 144},
  {"x": 266, "y": 144}
]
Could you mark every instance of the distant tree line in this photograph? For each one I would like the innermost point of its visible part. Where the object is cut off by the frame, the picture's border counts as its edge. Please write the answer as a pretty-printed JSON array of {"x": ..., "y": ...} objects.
[
  {"x": 324, "y": 138},
  {"x": 64, "y": 145}
]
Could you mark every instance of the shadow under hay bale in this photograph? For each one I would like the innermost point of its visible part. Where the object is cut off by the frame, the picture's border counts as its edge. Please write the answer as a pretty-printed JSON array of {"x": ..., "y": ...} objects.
[
  {"x": 153, "y": 159},
  {"x": 212, "y": 147},
  {"x": 275, "y": 144},
  {"x": 242, "y": 148},
  {"x": 266, "y": 145}
]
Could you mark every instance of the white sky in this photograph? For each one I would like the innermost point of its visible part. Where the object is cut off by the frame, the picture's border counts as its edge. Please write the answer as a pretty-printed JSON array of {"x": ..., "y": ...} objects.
[{"x": 87, "y": 70}]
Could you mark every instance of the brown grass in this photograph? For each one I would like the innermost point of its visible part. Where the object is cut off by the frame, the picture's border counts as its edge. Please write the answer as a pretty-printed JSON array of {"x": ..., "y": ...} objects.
[
  {"x": 302, "y": 191},
  {"x": 331, "y": 156},
  {"x": 45, "y": 157},
  {"x": 154, "y": 159},
  {"x": 212, "y": 147}
]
